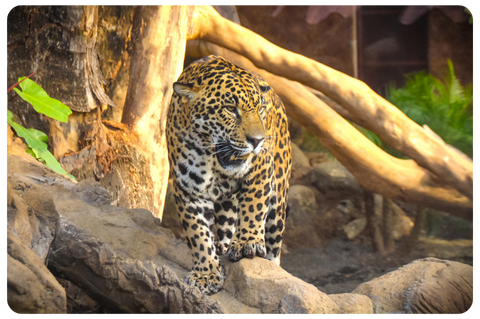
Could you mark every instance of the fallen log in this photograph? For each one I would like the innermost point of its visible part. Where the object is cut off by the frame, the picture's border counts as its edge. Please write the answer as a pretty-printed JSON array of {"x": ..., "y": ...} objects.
[
  {"x": 374, "y": 169},
  {"x": 381, "y": 117}
]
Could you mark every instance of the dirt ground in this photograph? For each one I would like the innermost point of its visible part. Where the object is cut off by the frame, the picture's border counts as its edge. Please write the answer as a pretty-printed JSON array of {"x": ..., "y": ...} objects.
[{"x": 342, "y": 265}]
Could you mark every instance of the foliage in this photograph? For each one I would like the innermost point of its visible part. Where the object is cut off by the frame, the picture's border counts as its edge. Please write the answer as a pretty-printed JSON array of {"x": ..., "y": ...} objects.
[
  {"x": 37, "y": 140},
  {"x": 41, "y": 102},
  {"x": 370, "y": 135},
  {"x": 446, "y": 107}
]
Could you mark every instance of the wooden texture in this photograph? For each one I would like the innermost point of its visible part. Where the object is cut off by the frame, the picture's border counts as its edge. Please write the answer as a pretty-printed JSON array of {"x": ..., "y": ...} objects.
[
  {"x": 374, "y": 169},
  {"x": 379, "y": 115},
  {"x": 158, "y": 37}
]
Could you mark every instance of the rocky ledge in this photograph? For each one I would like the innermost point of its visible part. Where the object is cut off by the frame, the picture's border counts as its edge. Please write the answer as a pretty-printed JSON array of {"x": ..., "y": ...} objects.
[{"x": 70, "y": 251}]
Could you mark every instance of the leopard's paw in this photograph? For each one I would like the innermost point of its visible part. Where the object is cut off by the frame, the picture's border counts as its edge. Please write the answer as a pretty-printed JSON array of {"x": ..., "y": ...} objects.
[
  {"x": 209, "y": 283},
  {"x": 250, "y": 248}
]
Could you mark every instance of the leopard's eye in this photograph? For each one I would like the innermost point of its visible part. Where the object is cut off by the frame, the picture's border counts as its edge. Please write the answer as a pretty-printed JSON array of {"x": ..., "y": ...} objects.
[{"x": 231, "y": 108}]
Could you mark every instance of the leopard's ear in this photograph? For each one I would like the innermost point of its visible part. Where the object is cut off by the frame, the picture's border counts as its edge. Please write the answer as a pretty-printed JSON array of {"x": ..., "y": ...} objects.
[
  {"x": 265, "y": 88},
  {"x": 185, "y": 90}
]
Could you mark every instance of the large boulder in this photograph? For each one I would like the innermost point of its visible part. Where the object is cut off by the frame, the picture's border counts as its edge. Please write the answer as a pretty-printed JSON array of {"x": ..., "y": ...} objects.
[
  {"x": 119, "y": 257},
  {"x": 427, "y": 285},
  {"x": 126, "y": 262},
  {"x": 264, "y": 285}
]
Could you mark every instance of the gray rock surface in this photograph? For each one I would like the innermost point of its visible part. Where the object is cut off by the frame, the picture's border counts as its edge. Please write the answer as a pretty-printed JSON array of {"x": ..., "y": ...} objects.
[
  {"x": 119, "y": 257},
  {"x": 31, "y": 288},
  {"x": 300, "y": 162},
  {"x": 126, "y": 262},
  {"x": 302, "y": 218},
  {"x": 333, "y": 176},
  {"x": 424, "y": 285}
]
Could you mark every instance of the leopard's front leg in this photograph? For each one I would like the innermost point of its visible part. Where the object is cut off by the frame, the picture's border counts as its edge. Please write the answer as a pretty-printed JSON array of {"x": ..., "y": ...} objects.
[
  {"x": 254, "y": 200},
  {"x": 197, "y": 218}
]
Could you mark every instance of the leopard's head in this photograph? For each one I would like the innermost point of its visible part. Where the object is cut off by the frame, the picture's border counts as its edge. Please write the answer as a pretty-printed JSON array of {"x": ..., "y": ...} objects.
[{"x": 227, "y": 105}]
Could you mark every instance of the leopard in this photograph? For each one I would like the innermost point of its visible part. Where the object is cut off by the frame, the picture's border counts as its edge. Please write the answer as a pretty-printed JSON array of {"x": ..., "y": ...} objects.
[{"x": 229, "y": 151}]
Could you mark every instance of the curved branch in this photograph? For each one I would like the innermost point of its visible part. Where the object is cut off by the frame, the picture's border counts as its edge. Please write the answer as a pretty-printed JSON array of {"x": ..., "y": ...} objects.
[
  {"x": 374, "y": 169},
  {"x": 381, "y": 117}
]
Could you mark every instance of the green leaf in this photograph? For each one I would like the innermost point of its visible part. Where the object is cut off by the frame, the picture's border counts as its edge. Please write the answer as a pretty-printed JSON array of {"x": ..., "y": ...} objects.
[
  {"x": 52, "y": 162},
  {"x": 31, "y": 141},
  {"x": 39, "y": 135},
  {"x": 41, "y": 102},
  {"x": 38, "y": 147},
  {"x": 30, "y": 151},
  {"x": 9, "y": 117}
]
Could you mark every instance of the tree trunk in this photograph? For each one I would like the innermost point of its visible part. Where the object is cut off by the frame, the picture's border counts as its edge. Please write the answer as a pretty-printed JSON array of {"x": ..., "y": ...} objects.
[
  {"x": 159, "y": 37},
  {"x": 388, "y": 225},
  {"x": 414, "y": 236},
  {"x": 373, "y": 222},
  {"x": 374, "y": 169},
  {"x": 65, "y": 53}
]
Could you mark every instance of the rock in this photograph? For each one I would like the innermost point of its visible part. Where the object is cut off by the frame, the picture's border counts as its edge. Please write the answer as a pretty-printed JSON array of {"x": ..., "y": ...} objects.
[
  {"x": 120, "y": 257},
  {"x": 353, "y": 303},
  {"x": 170, "y": 218},
  {"x": 355, "y": 227},
  {"x": 299, "y": 159},
  {"x": 77, "y": 300},
  {"x": 316, "y": 158},
  {"x": 262, "y": 284},
  {"x": 137, "y": 265},
  {"x": 31, "y": 288},
  {"x": 302, "y": 218},
  {"x": 32, "y": 215},
  {"x": 450, "y": 290},
  {"x": 414, "y": 288},
  {"x": 333, "y": 176},
  {"x": 126, "y": 262},
  {"x": 300, "y": 162},
  {"x": 229, "y": 304},
  {"x": 346, "y": 207}
]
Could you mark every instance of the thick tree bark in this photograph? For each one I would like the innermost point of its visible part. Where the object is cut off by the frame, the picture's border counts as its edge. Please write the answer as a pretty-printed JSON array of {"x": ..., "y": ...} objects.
[
  {"x": 374, "y": 169},
  {"x": 159, "y": 36},
  {"x": 379, "y": 115}
]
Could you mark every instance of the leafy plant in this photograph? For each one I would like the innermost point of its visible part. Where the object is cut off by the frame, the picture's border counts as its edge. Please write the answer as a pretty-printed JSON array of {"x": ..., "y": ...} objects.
[
  {"x": 446, "y": 107},
  {"x": 37, "y": 140}
]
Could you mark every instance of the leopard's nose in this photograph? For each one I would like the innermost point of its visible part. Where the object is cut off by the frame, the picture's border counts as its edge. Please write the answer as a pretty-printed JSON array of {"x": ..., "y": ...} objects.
[{"x": 255, "y": 140}]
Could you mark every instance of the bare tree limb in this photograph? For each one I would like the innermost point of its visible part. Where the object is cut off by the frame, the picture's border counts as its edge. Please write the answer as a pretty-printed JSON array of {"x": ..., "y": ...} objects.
[
  {"x": 379, "y": 115},
  {"x": 374, "y": 169}
]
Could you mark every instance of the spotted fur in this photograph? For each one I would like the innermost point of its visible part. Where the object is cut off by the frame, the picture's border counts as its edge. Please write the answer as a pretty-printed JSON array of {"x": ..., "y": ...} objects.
[{"x": 229, "y": 149}]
